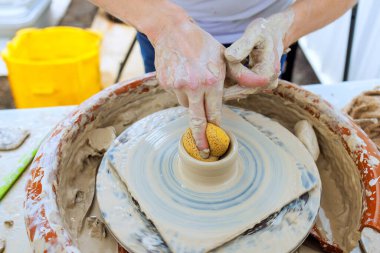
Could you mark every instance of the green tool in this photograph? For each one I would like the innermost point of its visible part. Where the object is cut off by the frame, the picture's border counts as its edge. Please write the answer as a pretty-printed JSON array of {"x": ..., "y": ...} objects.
[{"x": 7, "y": 182}]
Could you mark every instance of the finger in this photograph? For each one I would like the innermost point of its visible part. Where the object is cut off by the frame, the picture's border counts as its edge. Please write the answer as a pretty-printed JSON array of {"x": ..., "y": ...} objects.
[
  {"x": 198, "y": 121},
  {"x": 265, "y": 58},
  {"x": 241, "y": 48},
  {"x": 213, "y": 103},
  {"x": 245, "y": 77},
  {"x": 182, "y": 98},
  {"x": 268, "y": 64}
]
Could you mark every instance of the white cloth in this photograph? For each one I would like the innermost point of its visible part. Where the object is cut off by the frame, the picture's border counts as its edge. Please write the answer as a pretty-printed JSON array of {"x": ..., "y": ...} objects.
[
  {"x": 365, "y": 58},
  {"x": 226, "y": 20},
  {"x": 326, "y": 48}
]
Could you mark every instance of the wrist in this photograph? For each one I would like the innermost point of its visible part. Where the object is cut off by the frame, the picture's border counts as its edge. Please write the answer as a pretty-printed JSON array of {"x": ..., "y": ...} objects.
[
  {"x": 282, "y": 23},
  {"x": 288, "y": 39},
  {"x": 163, "y": 21}
]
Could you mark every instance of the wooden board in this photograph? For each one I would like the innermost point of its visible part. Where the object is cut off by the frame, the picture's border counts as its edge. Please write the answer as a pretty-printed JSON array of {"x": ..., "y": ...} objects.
[
  {"x": 117, "y": 41},
  {"x": 134, "y": 66}
]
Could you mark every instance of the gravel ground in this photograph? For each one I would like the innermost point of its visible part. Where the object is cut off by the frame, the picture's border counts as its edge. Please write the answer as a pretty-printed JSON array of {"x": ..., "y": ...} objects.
[{"x": 81, "y": 14}]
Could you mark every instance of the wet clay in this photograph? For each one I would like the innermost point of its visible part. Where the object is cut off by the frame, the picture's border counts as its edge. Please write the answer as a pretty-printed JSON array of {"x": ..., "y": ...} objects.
[
  {"x": 2, "y": 245},
  {"x": 79, "y": 190},
  {"x": 94, "y": 236},
  {"x": 217, "y": 201},
  {"x": 365, "y": 111},
  {"x": 341, "y": 199},
  {"x": 341, "y": 203},
  {"x": 290, "y": 225},
  {"x": 76, "y": 187},
  {"x": 305, "y": 133},
  {"x": 12, "y": 138}
]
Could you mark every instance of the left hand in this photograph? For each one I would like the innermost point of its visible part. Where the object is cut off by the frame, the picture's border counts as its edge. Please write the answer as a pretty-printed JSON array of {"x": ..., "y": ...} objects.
[{"x": 262, "y": 43}]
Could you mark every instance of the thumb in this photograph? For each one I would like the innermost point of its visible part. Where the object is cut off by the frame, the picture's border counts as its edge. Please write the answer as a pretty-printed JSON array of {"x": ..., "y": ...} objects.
[
  {"x": 244, "y": 76},
  {"x": 241, "y": 48}
]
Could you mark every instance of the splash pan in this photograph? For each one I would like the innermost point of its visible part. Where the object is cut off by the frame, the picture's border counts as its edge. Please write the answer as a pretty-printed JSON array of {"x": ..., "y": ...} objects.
[{"x": 67, "y": 165}]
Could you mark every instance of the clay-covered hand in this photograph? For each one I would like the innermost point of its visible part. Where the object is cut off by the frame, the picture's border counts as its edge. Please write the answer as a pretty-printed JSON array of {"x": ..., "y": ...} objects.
[
  {"x": 262, "y": 43},
  {"x": 190, "y": 62}
]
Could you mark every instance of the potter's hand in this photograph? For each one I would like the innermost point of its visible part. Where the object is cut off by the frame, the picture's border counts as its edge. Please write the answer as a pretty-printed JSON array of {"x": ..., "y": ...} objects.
[
  {"x": 190, "y": 62},
  {"x": 262, "y": 43}
]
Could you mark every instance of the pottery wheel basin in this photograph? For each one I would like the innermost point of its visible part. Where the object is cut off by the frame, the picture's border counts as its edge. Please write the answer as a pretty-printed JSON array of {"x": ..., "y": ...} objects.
[{"x": 61, "y": 187}]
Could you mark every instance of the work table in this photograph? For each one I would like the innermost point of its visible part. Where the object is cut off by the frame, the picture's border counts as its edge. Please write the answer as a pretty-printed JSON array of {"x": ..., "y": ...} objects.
[{"x": 39, "y": 123}]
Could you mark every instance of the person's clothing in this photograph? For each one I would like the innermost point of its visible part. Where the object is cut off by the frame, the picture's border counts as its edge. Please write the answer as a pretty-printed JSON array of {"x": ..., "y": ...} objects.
[
  {"x": 226, "y": 20},
  {"x": 147, "y": 52}
]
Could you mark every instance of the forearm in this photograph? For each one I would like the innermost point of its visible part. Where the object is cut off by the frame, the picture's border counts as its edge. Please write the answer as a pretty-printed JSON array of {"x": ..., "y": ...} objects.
[
  {"x": 148, "y": 16},
  {"x": 310, "y": 15}
]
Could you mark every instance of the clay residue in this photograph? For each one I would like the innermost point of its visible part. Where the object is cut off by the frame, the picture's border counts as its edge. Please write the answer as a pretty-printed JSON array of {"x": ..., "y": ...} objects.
[
  {"x": 81, "y": 153},
  {"x": 91, "y": 238},
  {"x": 76, "y": 189},
  {"x": 100, "y": 139},
  {"x": 305, "y": 133},
  {"x": 176, "y": 217},
  {"x": 2, "y": 245},
  {"x": 365, "y": 111},
  {"x": 96, "y": 227},
  {"x": 9, "y": 223},
  {"x": 78, "y": 181},
  {"x": 340, "y": 216},
  {"x": 12, "y": 138},
  {"x": 341, "y": 203},
  {"x": 341, "y": 195}
]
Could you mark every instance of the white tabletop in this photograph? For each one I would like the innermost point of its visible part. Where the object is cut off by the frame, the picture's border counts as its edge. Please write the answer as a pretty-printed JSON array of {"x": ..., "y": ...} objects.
[
  {"x": 339, "y": 95},
  {"x": 40, "y": 121}
]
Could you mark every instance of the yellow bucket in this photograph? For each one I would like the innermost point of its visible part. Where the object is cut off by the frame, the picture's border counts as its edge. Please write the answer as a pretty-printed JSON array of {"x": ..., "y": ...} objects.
[{"x": 53, "y": 66}]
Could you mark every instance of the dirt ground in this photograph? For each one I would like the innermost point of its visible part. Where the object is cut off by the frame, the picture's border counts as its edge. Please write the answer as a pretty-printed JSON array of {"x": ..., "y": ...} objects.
[{"x": 81, "y": 14}]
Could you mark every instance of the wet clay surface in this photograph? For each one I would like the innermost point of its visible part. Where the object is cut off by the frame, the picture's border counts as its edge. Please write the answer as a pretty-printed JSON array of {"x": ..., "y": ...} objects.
[
  {"x": 341, "y": 205},
  {"x": 340, "y": 229},
  {"x": 114, "y": 116},
  {"x": 11, "y": 207},
  {"x": 212, "y": 209},
  {"x": 81, "y": 157}
]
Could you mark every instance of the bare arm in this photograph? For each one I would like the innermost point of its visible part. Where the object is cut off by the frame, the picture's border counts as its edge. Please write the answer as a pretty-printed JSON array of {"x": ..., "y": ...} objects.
[
  {"x": 265, "y": 40},
  {"x": 188, "y": 60},
  {"x": 148, "y": 16},
  {"x": 310, "y": 15}
]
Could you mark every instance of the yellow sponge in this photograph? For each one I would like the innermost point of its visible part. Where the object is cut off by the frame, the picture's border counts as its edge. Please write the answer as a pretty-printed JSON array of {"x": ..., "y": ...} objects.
[{"x": 217, "y": 138}]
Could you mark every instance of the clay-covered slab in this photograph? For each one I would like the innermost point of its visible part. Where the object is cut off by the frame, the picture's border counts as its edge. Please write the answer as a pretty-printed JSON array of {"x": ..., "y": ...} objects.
[
  {"x": 12, "y": 137},
  {"x": 291, "y": 224}
]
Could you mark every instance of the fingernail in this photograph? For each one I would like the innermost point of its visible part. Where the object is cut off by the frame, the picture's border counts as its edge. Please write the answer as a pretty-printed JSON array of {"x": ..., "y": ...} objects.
[{"x": 204, "y": 153}]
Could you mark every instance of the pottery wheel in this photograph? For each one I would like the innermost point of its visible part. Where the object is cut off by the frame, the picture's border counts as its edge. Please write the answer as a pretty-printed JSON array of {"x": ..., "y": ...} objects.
[{"x": 149, "y": 205}]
